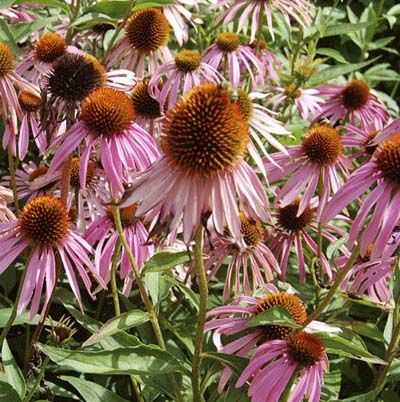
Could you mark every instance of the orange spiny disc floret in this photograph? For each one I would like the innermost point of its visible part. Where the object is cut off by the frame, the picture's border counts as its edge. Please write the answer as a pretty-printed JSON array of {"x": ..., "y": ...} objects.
[
  {"x": 147, "y": 30},
  {"x": 205, "y": 132},
  {"x": 7, "y": 59},
  {"x": 107, "y": 111},
  {"x": 288, "y": 219},
  {"x": 45, "y": 221},
  {"x": 228, "y": 41},
  {"x": 29, "y": 102},
  {"x": 305, "y": 349},
  {"x": 388, "y": 158},
  {"x": 355, "y": 94},
  {"x": 291, "y": 303},
  {"x": 145, "y": 106},
  {"x": 187, "y": 60},
  {"x": 75, "y": 168},
  {"x": 251, "y": 230},
  {"x": 49, "y": 47},
  {"x": 323, "y": 145}
]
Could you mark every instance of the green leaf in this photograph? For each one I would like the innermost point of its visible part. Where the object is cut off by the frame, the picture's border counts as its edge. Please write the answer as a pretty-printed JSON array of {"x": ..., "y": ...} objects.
[
  {"x": 335, "y": 246},
  {"x": 47, "y": 3},
  {"x": 88, "y": 21},
  {"x": 331, "y": 386},
  {"x": 92, "y": 392},
  {"x": 341, "y": 29},
  {"x": 124, "y": 321},
  {"x": 332, "y": 53},
  {"x": 143, "y": 359},
  {"x": 146, "y": 4},
  {"x": 5, "y": 314},
  {"x": 330, "y": 73},
  {"x": 192, "y": 296},
  {"x": 113, "y": 8},
  {"x": 274, "y": 316},
  {"x": 12, "y": 371},
  {"x": 8, "y": 393},
  {"x": 369, "y": 396},
  {"x": 236, "y": 363},
  {"x": 337, "y": 345},
  {"x": 164, "y": 261},
  {"x": 158, "y": 286}
]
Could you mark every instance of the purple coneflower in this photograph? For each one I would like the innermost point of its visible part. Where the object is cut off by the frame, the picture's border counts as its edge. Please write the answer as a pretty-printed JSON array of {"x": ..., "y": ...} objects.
[
  {"x": 353, "y": 100},
  {"x": 268, "y": 59},
  {"x": 9, "y": 106},
  {"x": 233, "y": 320},
  {"x": 44, "y": 225},
  {"x": 202, "y": 172},
  {"x": 275, "y": 363},
  {"x": 318, "y": 159},
  {"x": 228, "y": 52},
  {"x": 261, "y": 124},
  {"x": 107, "y": 120},
  {"x": 103, "y": 232},
  {"x": 307, "y": 101},
  {"x": 145, "y": 43},
  {"x": 384, "y": 199},
  {"x": 255, "y": 255},
  {"x": 368, "y": 276},
  {"x": 293, "y": 229},
  {"x": 176, "y": 14},
  {"x": 6, "y": 196},
  {"x": 184, "y": 73},
  {"x": 33, "y": 180},
  {"x": 149, "y": 114},
  {"x": 254, "y": 10}
]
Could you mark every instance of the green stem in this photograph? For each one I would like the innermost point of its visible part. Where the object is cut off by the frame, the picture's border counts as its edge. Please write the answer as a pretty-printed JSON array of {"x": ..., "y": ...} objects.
[
  {"x": 117, "y": 31},
  {"x": 201, "y": 319},
  {"x": 114, "y": 287},
  {"x": 380, "y": 378},
  {"x": 38, "y": 379},
  {"x": 143, "y": 292},
  {"x": 335, "y": 286},
  {"x": 13, "y": 182},
  {"x": 13, "y": 315},
  {"x": 75, "y": 12}
]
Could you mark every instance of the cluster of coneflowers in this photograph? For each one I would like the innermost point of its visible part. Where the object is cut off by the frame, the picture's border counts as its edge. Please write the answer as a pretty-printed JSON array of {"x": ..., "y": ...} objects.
[{"x": 184, "y": 146}]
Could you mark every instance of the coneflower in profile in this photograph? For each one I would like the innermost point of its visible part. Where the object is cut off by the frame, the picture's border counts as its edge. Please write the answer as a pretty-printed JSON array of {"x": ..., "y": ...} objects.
[
  {"x": 107, "y": 120},
  {"x": 103, "y": 235},
  {"x": 9, "y": 106},
  {"x": 275, "y": 363},
  {"x": 319, "y": 159},
  {"x": 44, "y": 225},
  {"x": 185, "y": 72},
  {"x": 255, "y": 257},
  {"x": 354, "y": 100},
  {"x": 202, "y": 172},
  {"x": 254, "y": 10},
  {"x": 382, "y": 172},
  {"x": 228, "y": 54}
]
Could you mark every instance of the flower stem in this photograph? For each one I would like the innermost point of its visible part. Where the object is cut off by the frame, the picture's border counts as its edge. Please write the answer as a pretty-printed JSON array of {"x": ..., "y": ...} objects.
[
  {"x": 118, "y": 30},
  {"x": 13, "y": 182},
  {"x": 198, "y": 345},
  {"x": 114, "y": 288},
  {"x": 381, "y": 375},
  {"x": 11, "y": 319},
  {"x": 38, "y": 379},
  {"x": 143, "y": 292},
  {"x": 335, "y": 286}
]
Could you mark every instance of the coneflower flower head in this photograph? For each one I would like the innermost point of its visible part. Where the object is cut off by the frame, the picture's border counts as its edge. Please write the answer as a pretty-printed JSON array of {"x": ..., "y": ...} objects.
[
  {"x": 73, "y": 77},
  {"x": 44, "y": 224},
  {"x": 204, "y": 141},
  {"x": 49, "y": 47}
]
